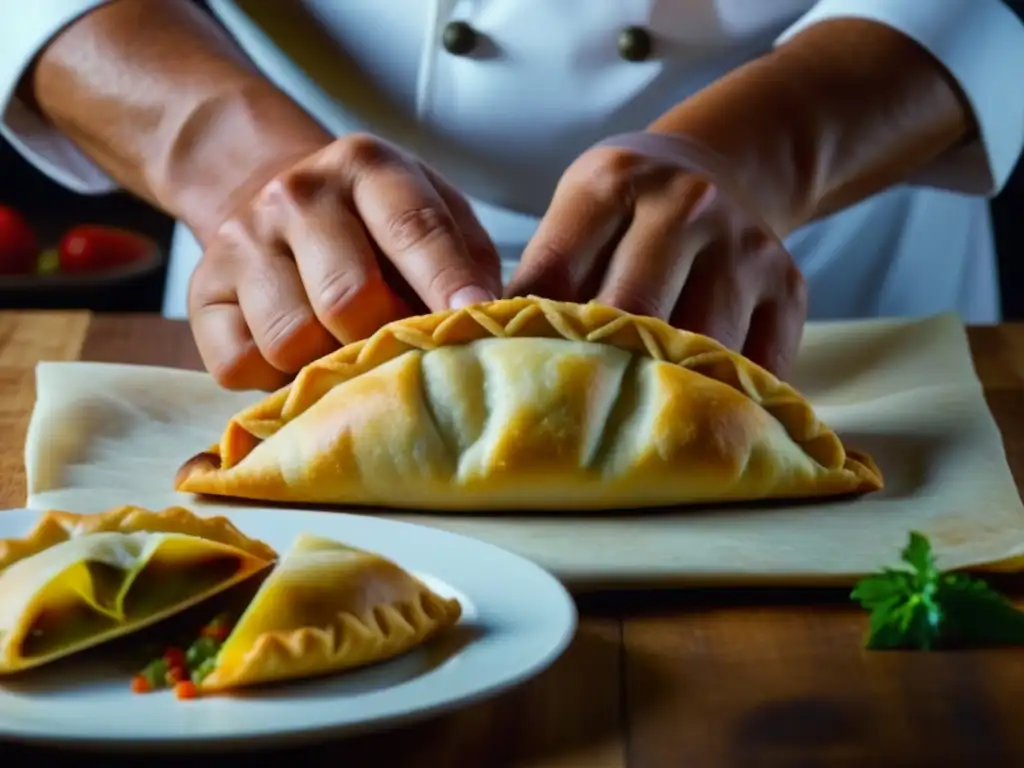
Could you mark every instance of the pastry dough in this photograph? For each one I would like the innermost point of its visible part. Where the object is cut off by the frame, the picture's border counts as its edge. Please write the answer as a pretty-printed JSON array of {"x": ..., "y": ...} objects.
[
  {"x": 325, "y": 608},
  {"x": 76, "y": 581},
  {"x": 54, "y": 527},
  {"x": 530, "y": 404}
]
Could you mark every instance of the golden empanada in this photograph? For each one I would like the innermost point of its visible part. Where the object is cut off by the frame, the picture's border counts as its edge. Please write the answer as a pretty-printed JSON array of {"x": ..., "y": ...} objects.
[
  {"x": 76, "y": 581},
  {"x": 326, "y": 607},
  {"x": 530, "y": 404}
]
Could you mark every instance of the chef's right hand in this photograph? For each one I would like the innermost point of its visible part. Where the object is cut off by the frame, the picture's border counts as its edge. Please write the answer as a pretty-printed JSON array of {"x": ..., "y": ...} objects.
[{"x": 330, "y": 249}]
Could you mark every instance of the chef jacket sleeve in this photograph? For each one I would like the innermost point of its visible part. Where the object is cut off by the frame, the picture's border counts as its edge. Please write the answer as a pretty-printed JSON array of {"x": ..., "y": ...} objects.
[
  {"x": 981, "y": 44},
  {"x": 26, "y": 27}
]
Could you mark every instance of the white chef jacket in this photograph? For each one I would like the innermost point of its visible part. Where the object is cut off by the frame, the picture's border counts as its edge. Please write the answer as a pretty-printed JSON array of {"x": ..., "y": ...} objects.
[{"x": 546, "y": 80}]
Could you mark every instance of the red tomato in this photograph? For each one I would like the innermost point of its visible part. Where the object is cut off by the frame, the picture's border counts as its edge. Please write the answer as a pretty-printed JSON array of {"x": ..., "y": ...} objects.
[
  {"x": 19, "y": 248},
  {"x": 89, "y": 247}
]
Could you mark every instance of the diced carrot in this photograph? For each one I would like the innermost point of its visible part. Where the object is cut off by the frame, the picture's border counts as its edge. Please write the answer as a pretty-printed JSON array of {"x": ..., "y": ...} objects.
[
  {"x": 140, "y": 684},
  {"x": 186, "y": 689}
]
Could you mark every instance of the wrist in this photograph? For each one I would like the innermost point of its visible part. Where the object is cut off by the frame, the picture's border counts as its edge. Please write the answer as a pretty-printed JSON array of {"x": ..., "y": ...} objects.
[
  {"x": 226, "y": 147},
  {"x": 766, "y": 137},
  {"x": 842, "y": 111}
]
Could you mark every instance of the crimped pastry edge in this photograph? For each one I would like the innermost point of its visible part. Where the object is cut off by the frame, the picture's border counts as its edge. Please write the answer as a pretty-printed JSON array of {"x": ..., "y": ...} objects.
[
  {"x": 507, "y": 318},
  {"x": 56, "y": 526},
  {"x": 362, "y": 639}
]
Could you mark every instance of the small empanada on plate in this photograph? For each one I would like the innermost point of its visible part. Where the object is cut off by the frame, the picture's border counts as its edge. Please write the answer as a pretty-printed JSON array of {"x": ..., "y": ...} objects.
[
  {"x": 530, "y": 404},
  {"x": 76, "y": 581},
  {"x": 326, "y": 607}
]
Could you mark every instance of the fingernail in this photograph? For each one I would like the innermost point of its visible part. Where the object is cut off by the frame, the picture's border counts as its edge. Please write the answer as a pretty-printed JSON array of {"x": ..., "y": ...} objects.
[{"x": 470, "y": 295}]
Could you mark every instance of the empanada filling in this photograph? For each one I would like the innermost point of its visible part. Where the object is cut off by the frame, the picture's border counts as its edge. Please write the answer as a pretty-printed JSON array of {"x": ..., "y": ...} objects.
[
  {"x": 184, "y": 670},
  {"x": 54, "y": 629},
  {"x": 92, "y": 598},
  {"x": 164, "y": 585}
]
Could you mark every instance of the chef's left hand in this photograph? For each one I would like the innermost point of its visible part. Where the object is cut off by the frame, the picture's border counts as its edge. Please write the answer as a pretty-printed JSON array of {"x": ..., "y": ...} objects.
[{"x": 655, "y": 225}]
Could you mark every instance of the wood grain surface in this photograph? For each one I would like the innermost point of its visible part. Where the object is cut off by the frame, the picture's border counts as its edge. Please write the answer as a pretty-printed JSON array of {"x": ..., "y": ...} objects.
[{"x": 665, "y": 680}]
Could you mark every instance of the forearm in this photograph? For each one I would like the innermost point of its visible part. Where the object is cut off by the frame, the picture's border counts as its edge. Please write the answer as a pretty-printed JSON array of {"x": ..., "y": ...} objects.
[
  {"x": 164, "y": 101},
  {"x": 840, "y": 112}
]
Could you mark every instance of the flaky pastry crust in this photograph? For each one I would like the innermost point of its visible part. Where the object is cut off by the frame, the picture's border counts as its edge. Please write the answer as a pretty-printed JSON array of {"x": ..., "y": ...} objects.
[
  {"x": 55, "y": 527},
  {"x": 328, "y": 607},
  {"x": 707, "y": 424},
  {"x": 77, "y": 581}
]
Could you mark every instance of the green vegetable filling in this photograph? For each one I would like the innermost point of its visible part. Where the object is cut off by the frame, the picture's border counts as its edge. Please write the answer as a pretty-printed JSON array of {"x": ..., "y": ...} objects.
[
  {"x": 202, "y": 650},
  {"x": 200, "y": 659},
  {"x": 116, "y": 596},
  {"x": 203, "y": 670},
  {"x": 155, "y": 673},
  {"x": 53, "y": 631},
  {"x": 161, "y": 585}
]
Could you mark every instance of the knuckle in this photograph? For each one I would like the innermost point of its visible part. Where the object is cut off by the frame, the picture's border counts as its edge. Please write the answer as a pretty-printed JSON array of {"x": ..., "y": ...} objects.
[
  {"x": 270, "y": 208},
  {"x": 341, "y": 292},
  {"x": 756, "y": 242},
  {"x": 230, "y": 372},
  {"x": 285, "y": 196},
  {"x": 608, "y": 173},
  {"x": 552, "y": 255},
  {"x": 795, "y": 284},
  {"x": 419, "y": 226},
  {"x": 275, "y": 194},
  {"x": 231, "y": 367},
  {"x": 279, "y": 334},
  {"x": 361, "y": 150},
  {"x": 763, "y": 252},
  {"x": 610, "y": 160},
  {"x": 689, "y": 191},
  {"x": 635, "y": 300},
  {"x": 203, "y": 276},
  {"x": 203, "y": 288},
  {"x": 549, "y": 273},
  {"x": 300, "y": 187},
  {"x": 447, "y": 279},
  {"x": 239, "y": 241},
  {"x": 483, "y": 252},
  {"x": 234, "y": 234}
]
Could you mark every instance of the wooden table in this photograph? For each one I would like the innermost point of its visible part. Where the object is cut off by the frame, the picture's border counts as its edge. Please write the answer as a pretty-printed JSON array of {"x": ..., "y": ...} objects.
[{"x": 708, "y": 678}]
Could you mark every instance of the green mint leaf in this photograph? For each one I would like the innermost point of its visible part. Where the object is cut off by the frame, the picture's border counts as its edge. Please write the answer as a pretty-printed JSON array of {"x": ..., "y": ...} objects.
[
  {"x": 887, "y": 624},
  {"x": 916, "y": 606},
  {"x": 880, "y": 589},
  {"x": 902, "y": 601},
  {"x": 911, "y": 621},
  {"x": 977, "y": 615},
  {"x": 885, "y": 634},
  {"x": 904, "y": 621},
  {"x": 918, "y": 555}
]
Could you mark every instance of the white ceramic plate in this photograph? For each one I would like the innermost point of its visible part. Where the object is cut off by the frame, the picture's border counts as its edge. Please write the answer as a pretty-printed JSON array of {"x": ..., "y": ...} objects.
[{"x": 517, "y": 620}]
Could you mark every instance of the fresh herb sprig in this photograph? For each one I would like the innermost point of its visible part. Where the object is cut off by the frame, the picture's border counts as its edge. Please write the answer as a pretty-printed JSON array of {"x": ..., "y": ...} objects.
[{"x": 915, "y": 606}]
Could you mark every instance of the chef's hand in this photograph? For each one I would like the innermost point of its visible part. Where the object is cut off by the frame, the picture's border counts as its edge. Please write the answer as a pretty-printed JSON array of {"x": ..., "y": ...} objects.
[
  {"x": 653, "y": 224},
  {"x": 354, "y": 236}
]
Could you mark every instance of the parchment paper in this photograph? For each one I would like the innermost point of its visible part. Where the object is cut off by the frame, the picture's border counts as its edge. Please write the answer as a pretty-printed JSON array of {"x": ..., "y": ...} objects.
[{"x": 103, "y": 435}]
